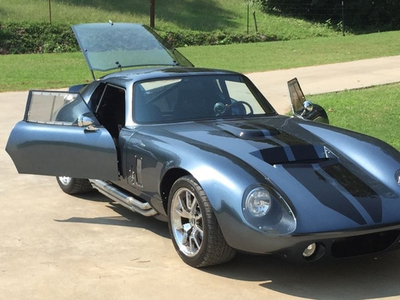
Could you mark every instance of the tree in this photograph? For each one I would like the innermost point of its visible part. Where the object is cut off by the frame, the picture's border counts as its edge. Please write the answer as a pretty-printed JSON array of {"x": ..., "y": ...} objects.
[{"x": 359, "y": 14}]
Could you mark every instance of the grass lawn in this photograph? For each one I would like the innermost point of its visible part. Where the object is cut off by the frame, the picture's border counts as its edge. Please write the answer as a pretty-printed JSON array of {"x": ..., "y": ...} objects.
[
  {"x": 21, "y": 72},
  {"x": 374, "y": 111},
  {"x": 295, "y": 53},
  {"x": 175, "y": 15}
]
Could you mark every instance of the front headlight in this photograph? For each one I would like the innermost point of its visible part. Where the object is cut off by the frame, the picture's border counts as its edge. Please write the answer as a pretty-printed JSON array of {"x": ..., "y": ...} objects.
[
  {"x": 265, "y": 209},
  {"x": 258, "y": 202}
]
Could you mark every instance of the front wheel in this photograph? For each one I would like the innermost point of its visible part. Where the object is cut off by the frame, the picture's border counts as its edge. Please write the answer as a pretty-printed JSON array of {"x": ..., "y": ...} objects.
[
  {"x": 71, "y": 185},
  {"x": 193, "y": 226}
]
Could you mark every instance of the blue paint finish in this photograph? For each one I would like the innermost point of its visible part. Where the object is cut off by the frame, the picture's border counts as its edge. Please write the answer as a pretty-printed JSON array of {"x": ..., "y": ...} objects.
[
  {"x": 62, "y": 150},
  {"x": 334, "y": 182}
]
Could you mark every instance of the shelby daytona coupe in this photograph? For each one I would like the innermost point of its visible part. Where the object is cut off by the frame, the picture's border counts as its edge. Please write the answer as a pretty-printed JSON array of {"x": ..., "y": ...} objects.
[{"x": 203, "y": 150}]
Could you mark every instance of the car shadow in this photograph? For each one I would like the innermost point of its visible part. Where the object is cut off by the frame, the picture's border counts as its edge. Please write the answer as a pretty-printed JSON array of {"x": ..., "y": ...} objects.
[
  {"x": 94, "y": 195},
  {"x": 125, "y": 217},
  {"x": 355, "y": 278}
]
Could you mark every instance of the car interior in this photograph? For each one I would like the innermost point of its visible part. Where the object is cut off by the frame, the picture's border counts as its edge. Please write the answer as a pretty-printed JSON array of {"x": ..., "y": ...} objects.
[{"x": 110, "y": 110}]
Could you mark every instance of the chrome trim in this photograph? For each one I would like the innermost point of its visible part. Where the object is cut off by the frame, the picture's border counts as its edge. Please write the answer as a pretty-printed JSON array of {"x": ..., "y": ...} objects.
[
  {"x": 187, "y": 222},
  {"x": 398, "y": 177},
  {"x": 64, "y": 180},
  {"x": 112, "y": 192}
]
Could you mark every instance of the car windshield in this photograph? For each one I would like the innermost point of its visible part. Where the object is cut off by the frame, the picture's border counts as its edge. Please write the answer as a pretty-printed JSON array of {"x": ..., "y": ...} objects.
[
  {"x": 196, "y": 98},
  {"x": 108, "y": 46}
]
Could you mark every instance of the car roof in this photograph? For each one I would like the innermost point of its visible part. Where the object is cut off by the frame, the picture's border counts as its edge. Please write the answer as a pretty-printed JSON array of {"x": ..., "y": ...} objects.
[{"x": 127, "y": 77}]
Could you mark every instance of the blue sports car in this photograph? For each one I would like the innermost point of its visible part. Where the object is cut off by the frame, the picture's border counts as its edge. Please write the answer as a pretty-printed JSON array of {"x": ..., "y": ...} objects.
[{"x": 204, "y": 150}]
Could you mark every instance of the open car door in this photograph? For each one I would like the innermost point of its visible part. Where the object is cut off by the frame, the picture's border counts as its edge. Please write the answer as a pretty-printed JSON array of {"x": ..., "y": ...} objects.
[
  {"x": 60, "y": 136},
  {"x": 296, "y": 96},
  {"x": 302, "y": 108}
]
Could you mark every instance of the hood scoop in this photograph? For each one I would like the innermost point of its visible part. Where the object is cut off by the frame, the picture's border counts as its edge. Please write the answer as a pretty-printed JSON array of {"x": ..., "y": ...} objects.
[
  {"x": 248, "y": 132},
  {"x": 294, "y": 154},
  {"x": 278, "y": 147}
]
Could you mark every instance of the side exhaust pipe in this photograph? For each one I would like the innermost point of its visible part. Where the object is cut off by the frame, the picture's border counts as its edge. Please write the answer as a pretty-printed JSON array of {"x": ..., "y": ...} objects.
[{"x": 143, "y": 208}]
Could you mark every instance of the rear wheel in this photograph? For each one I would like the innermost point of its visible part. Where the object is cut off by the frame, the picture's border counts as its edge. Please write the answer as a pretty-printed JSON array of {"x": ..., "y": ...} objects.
[
  {"x": 74, "y": 185},
  {"x": 193, "y": 226}
]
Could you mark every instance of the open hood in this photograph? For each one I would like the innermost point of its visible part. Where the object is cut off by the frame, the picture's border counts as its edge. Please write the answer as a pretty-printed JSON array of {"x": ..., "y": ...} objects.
[{"x": 109, "y": 46}]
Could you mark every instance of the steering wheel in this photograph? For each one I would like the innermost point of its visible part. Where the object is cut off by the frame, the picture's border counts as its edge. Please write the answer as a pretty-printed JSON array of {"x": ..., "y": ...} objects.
[{"x": 220, "y": 109}]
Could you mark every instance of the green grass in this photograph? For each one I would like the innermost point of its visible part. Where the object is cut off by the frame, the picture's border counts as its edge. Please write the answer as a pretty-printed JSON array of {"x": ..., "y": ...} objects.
[
  {"x": 21, "y": 72},
  {"x": 373, "y": 111},
  {"x": 295, "y": 53},
  {"x": 206, "y": 15},
  {"x": 42, "y": 71}
]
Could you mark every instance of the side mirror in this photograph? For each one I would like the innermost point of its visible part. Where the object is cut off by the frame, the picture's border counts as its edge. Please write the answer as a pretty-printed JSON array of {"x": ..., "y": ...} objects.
[
  {"x": 314, "y": 112},
  {"x": 84, "y": 121},
  {"x": 303, "y": 108}
]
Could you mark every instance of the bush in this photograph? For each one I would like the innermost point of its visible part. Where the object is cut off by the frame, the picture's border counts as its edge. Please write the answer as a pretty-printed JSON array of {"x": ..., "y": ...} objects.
[
  {"x": 190, "y": 38},
  {"x": 16, "y": 38},
  {"x": 36, "y": 38}
]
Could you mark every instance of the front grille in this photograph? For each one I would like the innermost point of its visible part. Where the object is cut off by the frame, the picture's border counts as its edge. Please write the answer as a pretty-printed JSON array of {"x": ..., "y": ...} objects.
[{"x": 364, "y": 244}]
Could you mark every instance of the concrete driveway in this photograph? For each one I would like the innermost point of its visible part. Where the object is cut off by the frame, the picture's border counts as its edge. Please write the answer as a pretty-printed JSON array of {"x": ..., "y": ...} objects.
[
  {"x": 56, "y": 246},
  {"x": 327, "y": 78}
]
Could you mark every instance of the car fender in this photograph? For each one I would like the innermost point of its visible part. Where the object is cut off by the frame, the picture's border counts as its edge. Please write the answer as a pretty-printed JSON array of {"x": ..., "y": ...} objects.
[{"x": 225, "y": 179}]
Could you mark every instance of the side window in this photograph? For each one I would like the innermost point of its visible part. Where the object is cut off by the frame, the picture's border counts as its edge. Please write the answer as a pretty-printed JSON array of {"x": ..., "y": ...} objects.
[
  {"x": 110, "y": 110},
  {"x": 59, "y": 108}
]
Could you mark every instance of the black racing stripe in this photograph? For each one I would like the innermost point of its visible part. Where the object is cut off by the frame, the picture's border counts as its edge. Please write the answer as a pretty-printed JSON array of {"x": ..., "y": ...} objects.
[
  {"x": 366, "y": 196},
  {"x": 274, "y": 156},
  {"x": 327, "y": 194},
  {"x": 299, "y": 150},
  {"x": 281, "y": 136},
  {"x": 286, "y": 154},
  {"x": 304, "y": 152}
]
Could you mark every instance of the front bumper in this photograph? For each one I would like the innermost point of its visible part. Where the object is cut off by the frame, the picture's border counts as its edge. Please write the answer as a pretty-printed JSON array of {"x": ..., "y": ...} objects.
[
  {"x": 336, "y": 244},
  {"x": 344, "y": 246}
]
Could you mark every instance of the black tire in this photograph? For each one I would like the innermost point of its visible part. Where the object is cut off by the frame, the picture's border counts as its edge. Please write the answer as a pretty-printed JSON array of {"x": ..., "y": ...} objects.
[
  {"x": 72, "y": 186},
  {"x": 194, "y": 230}
]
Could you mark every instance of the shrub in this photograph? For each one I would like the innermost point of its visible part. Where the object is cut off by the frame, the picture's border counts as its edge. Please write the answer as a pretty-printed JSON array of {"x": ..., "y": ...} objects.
[
  {"x": 17, "y": 38},
  {"x": 190, "y": 38},
  {"x": 36, "y": 38}
]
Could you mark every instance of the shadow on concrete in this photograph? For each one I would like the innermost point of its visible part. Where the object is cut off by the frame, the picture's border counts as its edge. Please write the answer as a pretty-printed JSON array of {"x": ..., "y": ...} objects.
[
  {"x": 356, "y": 278},
  {"x": 127, "y": 218}
]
